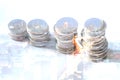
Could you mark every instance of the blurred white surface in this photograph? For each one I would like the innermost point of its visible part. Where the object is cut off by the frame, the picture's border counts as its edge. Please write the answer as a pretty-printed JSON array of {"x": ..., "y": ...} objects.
[{"x": 19, "y": 60}]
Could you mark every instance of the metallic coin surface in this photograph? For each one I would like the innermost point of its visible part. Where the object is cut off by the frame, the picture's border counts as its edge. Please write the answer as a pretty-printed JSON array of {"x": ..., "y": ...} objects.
[
  {"x": 38, "y": 31},
  {"x": 18, "y": 31},
  {"x": 38, "y": 43},
  {"x": 66, "y": 25},
  {"x": 65, "y": 50},
  {"x": 17, "y": 26},
  {"x": 37, "y": 26},
  {"x": 94, "y": 40},
  {"x": 65, "y": 29},
  {"x": 94, "y": 24}
]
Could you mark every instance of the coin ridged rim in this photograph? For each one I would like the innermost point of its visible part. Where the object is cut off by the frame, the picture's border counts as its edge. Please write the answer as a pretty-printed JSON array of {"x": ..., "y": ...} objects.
[
  {"x": 63, "y": 50},
  {"x": 90, "y": 46},
  {"x": 98, "y": 59},
  {"x": 98, "y": 49},
  {"x": 92, "y": 41},
  {"x": 44, "y": 36},
  {"x": 66, "y": 41},
  {"x": 18, "y": 38},
  {"x": 66, "y": 46},
  {"x": 62, "y": 34},
  {"x": 97, "y": 42},
  {"x": 87, "y": 36},
  {"x": 98, "y": 54},
  {"x": 33, "y": 32},
  {"x": 44, "y": 40},
  {"x": 18, "y": 35},
  {"x": 38, "y": 44},
  {"x": 64, "y": 37}
]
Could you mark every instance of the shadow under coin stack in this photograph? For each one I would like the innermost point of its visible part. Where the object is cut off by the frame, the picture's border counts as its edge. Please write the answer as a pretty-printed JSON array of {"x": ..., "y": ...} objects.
[
  {"x": 38, "y": 31},
  {"x": 17, "y": 29},
  {"x": 64, "y": 30},
  {"x": 94, "y": 40}
]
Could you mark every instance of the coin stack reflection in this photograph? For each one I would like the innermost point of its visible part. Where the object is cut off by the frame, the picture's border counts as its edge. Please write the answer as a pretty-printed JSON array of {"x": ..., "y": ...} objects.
[
  {"x": 94, "y": 39},
  {"x": 38, "y": 31},
  {"x": 17, "y": 28},
  {"x": 64, "y": 30}
]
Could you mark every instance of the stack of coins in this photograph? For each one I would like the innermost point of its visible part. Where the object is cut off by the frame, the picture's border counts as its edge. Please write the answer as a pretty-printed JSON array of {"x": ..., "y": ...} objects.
[
  {"x": 38, "y": 31},
  {"x": 94, "y": 40},
  {"x": 64, "y": 30},
  {"x": 17, "y": 29}
]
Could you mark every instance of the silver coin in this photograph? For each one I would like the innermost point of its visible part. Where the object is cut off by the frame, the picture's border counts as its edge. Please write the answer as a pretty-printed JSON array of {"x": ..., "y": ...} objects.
[
  {"x": 88, "y": 36},
  {"x": 94, "y": 40},
  {"x": 37, "y": 26},
  {"x": 99, "y": 59},
  {"x": 94, "y": 24},
  {"x": 65, "y": 50},
  {"x": 66, "y": 25},
  {"x": 38, "y": 35},
  {"x": 17, "y": 26},
  {"x": 64, "y": 30},
  {"x": 102, "y": 55},
  {"x": 98, "y": 54},
  {"x": 65, "y": 36},
  {"x": 19, "y": 38},
  {"x": 99, "y": 41},
  {"x": 100, "y": 45},
  {"x": 95, "y": 43},
  {"x": 66, "y": 47},
  {"x": 95, "y": 34},
  {"x": 47, "y": 38},
  {"x": 38, "y": 43},
  {"x": 97, "y": 47},
  {"x": 40, "y": 38},
  {"x": 65, "y": 44},
  {"x": 17, "y": 35}
]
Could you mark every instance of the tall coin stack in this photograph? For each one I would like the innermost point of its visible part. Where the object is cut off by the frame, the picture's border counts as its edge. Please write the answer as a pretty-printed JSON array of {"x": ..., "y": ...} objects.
[
  {"x": 94, "y": 40},
  {"x": 38, "y": 31},
  {"x": 64, "y": 30},
  {"x": 17, "y": 28}
]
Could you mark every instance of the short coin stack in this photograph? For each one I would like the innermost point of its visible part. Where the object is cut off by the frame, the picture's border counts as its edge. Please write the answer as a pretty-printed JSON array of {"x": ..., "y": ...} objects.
[
  {"x": 64, "y": 30},
  {"x": 17, "y": 29},
  {"x": 94, "y": 40},
  {"x": 38, "y": 31}
]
